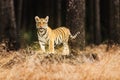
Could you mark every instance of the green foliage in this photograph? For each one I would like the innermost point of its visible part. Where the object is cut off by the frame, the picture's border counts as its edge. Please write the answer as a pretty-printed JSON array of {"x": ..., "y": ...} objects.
[{"x": 28, "y": 37}]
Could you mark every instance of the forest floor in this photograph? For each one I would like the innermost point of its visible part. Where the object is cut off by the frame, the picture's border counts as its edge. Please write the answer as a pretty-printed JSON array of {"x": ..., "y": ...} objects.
[{"x": 93, "y": 63}]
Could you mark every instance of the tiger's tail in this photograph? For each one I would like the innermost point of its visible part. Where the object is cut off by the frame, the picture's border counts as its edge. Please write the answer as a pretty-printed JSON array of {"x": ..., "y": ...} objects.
[{"x": 74, "y": 36}]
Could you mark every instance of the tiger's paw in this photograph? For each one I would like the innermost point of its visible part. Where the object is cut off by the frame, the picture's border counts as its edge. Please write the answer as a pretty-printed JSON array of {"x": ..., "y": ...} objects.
[
  {"x": 50, "y": 52},
  {"x": 65, "y": 52}
]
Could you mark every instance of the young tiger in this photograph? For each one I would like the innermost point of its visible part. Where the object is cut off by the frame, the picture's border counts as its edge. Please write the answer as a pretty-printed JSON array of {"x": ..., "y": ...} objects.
[{"x": 52, "y": 37}]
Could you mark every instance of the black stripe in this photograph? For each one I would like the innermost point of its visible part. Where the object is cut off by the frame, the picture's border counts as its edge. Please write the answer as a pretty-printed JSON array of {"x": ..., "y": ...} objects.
[
  {"x": 62, "y": 32},
  {"x": 45, "y": 31},
  {"x": 42, "y": 34},
  {"x": 41, "y": 41},
  {"x": 46, "y": 36}
]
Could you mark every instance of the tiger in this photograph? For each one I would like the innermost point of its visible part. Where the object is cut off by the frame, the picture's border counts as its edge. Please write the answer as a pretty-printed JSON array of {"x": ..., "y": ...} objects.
[{"x": 52, "y": 37}]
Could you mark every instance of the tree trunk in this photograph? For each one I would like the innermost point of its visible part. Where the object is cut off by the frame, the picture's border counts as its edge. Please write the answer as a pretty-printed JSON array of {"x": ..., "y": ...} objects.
[
  {"x": 114, "y": 21},
  {"x": 19, "y": 13},
  {"x": 75, "y": 20},
  {"x": 18, "y": 20},
  {"x": 59, "y": 12},
  {"x": 1, "y": 21},
  {"x": 93, "y": 14},
  {"x": 8, "y": 23},
  {"x": 97, "y": 22},
  {"x": 90, "y": 20}
]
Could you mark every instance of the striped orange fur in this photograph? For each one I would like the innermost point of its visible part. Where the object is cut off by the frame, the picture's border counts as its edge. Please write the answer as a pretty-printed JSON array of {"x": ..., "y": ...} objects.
[{"x": 52, "y": 37}]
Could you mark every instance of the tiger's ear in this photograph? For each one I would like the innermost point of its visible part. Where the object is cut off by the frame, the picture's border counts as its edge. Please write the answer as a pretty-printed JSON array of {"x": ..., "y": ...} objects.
[
  {"x": 47, "y": 18},
  {"x": 36, "y": 18}
]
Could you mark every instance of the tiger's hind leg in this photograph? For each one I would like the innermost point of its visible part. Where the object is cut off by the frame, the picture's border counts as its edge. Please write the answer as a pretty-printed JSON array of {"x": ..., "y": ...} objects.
[{"x": 65, "y": 49}]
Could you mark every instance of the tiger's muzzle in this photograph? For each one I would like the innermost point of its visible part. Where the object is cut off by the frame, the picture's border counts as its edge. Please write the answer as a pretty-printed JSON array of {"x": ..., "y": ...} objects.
[{"x": 41, "y": 29}]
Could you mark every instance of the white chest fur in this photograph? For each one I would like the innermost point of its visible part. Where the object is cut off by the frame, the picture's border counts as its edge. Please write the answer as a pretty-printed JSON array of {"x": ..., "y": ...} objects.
[{"x": 42, "y": 36}]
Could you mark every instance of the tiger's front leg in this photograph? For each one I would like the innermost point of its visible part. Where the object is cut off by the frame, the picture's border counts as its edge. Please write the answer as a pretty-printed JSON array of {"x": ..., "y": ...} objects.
[
  {"x": 51, "y": 46},
  {"x": 42, "y": 45}
]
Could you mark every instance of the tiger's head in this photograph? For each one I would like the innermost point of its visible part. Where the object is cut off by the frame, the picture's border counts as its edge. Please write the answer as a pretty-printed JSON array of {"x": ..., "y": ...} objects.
[{"x": 41, "y": 23}]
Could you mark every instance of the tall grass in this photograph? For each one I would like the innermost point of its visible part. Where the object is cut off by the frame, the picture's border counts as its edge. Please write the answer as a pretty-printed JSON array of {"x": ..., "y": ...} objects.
[{"x": 34, "y": 66}]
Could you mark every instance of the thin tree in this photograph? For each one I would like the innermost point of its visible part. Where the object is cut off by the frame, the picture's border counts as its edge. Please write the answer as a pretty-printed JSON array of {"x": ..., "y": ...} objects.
[
  {"x": 97, "y": 21},
  {"x": 59, "y": 12},
  {"x": 19, "y": 14},
  {"x": 1, "y": 21},
  {"x": 90, "y": 20},
  {"x": 93, "y": 21},
  {"x": 18, "y": 20}
]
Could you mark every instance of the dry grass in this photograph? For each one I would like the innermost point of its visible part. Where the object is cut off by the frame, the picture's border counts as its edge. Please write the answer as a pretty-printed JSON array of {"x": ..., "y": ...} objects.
[{"x": 94, "y": 63}]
